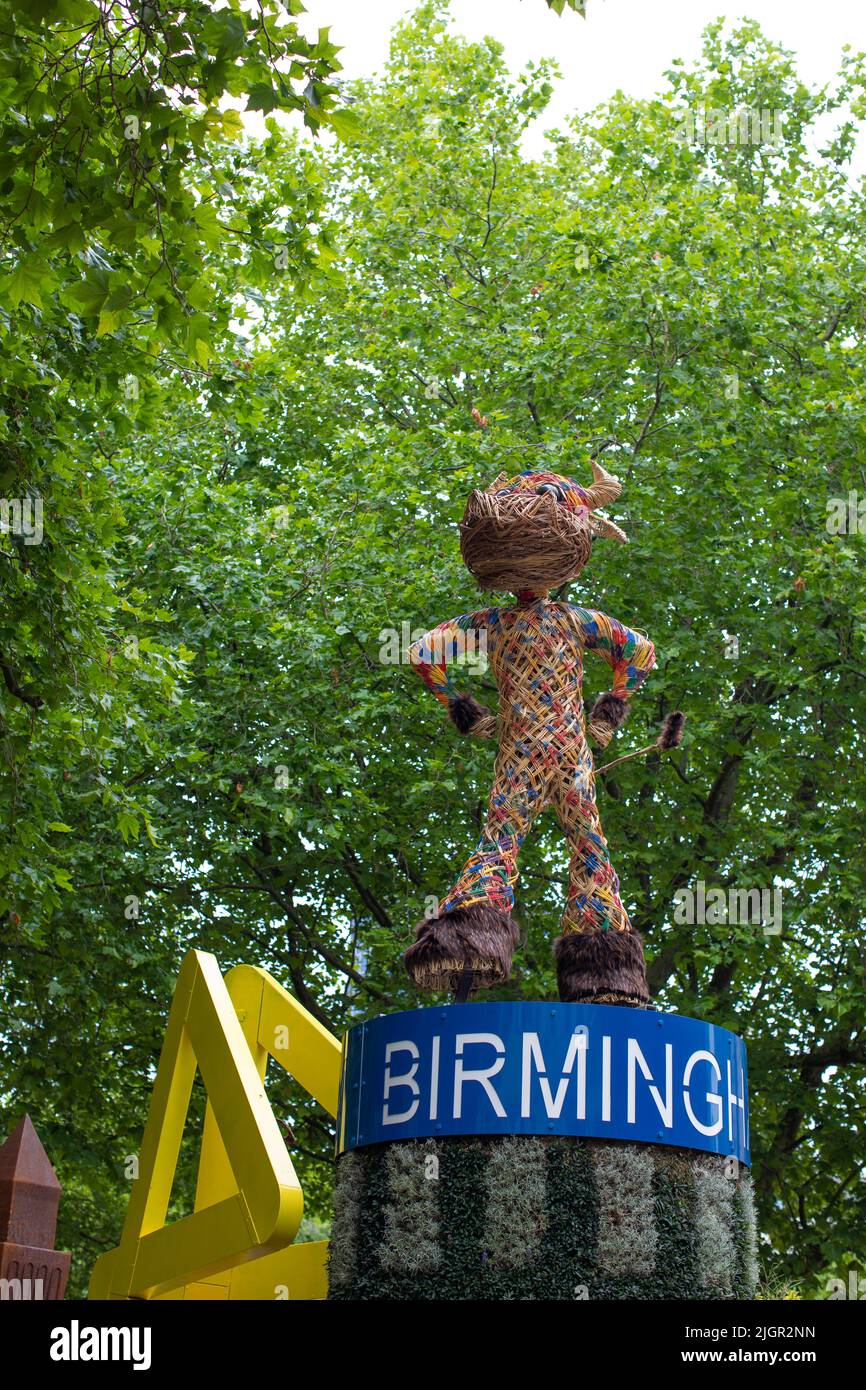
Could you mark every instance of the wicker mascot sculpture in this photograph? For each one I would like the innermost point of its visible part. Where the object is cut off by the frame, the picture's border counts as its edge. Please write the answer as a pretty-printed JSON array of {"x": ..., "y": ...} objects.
[{"x": 528, "y": 535}]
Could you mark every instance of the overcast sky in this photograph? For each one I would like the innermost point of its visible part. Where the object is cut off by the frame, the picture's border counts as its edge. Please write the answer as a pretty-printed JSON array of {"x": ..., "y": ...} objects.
[{"x": 620, "y": 44}]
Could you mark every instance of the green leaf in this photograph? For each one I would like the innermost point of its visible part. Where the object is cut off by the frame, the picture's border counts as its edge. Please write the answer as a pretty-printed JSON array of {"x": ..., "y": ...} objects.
[
  {"x": 22, "y": 285},
  {"x": 109, "y": 321},
  {"x": 345, "y": 124}
]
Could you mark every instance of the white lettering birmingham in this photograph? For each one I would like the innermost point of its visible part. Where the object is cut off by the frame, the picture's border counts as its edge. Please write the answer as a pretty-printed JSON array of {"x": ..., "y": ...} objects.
[
  {"x": 406, "y": 1079},
  {"x": 618, "y": 1083},
  {"x": 434, "y": 1079},
  {"x": 481, "y": 1074},
  {"x": 605, "y": 1078},
  {"x": 734, "y": 1099},
  {"x": 713, "y": 1100},
  {"x": 636, "y": 1059},
  {"x": 533, "y": 1055}
]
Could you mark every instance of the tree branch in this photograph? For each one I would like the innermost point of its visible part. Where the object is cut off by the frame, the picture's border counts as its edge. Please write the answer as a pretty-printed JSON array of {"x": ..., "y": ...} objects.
[{"x": 11, "y": 683}]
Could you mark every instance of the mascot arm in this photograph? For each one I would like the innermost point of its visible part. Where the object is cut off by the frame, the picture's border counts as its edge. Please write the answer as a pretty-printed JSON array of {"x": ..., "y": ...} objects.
[
  {"x": 631, "y": 657},
  {"x": 431, "y": 656}
]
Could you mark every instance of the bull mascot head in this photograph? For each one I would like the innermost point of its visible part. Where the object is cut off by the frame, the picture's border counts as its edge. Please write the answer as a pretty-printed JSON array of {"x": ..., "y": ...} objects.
[{"x": 535, "y": 531}]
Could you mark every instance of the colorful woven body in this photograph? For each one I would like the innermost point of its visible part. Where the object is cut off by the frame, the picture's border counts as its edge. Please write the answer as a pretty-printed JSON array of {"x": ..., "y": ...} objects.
[{"x": 535, "y": 649}]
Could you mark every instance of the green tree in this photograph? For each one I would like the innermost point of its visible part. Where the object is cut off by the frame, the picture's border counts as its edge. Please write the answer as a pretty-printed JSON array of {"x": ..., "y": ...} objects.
[
  {"x": 124, "y": 182},
  {"x": 119, "y": 185}
]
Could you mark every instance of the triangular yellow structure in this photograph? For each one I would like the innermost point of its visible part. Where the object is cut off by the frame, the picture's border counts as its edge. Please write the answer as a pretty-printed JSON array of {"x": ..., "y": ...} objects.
[{"x": 237, "y": 1242}]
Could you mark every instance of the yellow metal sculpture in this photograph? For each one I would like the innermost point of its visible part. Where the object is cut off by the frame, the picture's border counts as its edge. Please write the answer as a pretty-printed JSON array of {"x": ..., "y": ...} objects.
[{"x": 237, "y": 1243}]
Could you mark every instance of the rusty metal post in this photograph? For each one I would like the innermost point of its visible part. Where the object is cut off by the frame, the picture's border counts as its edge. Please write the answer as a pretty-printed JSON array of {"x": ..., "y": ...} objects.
[{"x": 30, "y": 1267}]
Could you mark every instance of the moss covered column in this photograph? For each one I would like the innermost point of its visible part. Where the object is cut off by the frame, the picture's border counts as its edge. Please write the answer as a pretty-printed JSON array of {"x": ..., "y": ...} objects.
[{"x": 540, "y": 1218}]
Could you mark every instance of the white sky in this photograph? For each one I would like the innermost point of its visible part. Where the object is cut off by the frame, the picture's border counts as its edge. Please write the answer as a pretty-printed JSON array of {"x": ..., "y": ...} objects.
[{"x": 623, "y": 44}]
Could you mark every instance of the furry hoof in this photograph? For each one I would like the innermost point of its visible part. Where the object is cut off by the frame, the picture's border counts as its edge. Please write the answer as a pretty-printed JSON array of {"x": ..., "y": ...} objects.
[
  {"x": 476, "y": 938},
  {"x": 601, "y": 967}
]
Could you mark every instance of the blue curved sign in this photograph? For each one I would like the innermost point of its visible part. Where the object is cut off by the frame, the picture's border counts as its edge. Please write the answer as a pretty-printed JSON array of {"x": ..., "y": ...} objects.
[{"x": 592, "y": 1070}]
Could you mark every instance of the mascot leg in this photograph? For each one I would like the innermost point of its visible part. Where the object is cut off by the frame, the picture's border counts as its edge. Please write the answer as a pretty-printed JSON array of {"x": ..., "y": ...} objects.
[
  {"x": 599, "y": 956},
  {"x": 469, "y": 943}
]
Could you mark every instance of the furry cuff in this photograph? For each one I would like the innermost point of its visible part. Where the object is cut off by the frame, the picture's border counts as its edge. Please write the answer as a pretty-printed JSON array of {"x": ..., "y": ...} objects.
[
  {"x": 609, "y": 709},
  {"x": 479, "y": 937},
  {"x": 672, "y": 730},
  {"x": 600, "y": 962},
  {"x": 465, "y": 713}
]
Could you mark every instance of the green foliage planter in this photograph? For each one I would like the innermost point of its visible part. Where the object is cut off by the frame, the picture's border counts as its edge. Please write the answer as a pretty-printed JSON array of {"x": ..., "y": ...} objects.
[{"x": 540, "y": 1218}]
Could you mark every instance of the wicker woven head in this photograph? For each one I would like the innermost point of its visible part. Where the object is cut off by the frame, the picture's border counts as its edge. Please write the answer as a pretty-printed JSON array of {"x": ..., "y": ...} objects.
[{"x": 535, "y": 531}]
